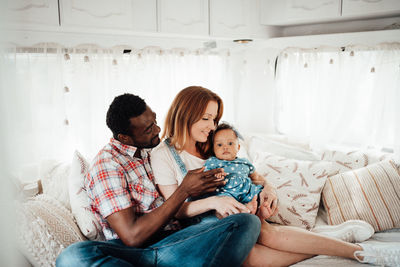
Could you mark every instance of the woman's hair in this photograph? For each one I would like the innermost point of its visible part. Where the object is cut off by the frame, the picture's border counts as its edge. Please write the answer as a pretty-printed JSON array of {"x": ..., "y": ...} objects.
[{"x": 187, "y": 108}]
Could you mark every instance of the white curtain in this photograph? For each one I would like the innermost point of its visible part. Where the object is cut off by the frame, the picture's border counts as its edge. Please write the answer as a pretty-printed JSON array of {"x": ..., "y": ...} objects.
[
  {"x": 56, "y": 98},
  {"x": 342, "y": 96}
]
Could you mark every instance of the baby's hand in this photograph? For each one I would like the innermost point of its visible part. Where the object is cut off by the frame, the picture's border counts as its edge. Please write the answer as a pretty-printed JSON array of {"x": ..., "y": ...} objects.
[{"x": 221, "y": 175}]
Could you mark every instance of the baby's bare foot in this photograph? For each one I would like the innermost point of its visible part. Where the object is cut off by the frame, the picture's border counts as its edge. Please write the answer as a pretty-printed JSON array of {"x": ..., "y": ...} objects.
[{"x": 252, "y": 205}]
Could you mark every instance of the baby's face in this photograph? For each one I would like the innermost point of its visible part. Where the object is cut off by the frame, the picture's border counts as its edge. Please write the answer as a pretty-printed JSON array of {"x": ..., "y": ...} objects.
[{"x": 226, "y": 145}]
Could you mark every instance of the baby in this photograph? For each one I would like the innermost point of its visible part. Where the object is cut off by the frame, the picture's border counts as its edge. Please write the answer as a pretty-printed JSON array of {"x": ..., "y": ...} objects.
[{"x": 239, "y": 170}]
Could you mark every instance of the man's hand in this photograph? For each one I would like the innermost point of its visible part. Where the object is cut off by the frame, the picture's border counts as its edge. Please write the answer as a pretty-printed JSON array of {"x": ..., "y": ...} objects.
[{"x": 197, "y": 182}]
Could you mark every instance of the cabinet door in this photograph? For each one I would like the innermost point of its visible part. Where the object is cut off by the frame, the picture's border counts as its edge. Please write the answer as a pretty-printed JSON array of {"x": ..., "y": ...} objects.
[
  {"x": 236, "y": 18},
  {"x": 370, "y": 8},
  {"x": 139, "y": 15},
  {"x": 287, "y": 12},
  {"x": 183, "y": 16},
  {"x": 28, "y": 12}
]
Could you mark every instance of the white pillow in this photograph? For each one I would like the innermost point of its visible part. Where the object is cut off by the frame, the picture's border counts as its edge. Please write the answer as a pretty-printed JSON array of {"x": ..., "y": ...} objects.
[
  {"x": 299, "y": 185},
  {"x": 344, "y": 161},
  {"x": 369, "y": 194},
  {"x": 54, "y": 180},
  {"x": 45, "y": 227},
  {"x": 80, "y": 203},
  {"x": 257, "y": 144}
]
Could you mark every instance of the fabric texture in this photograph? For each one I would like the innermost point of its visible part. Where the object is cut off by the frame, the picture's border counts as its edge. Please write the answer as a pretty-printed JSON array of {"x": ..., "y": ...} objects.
[
  {"x": 117, "y": 180},
  {"x": 165, "y": 168},
  {"x": 238, "y": 183},
  {"x": 320, "y": 92},
  {"x": 299, "y": 185},
  {"x": 54, "y": 180},
  {"x": 256, "y": 144},
  {"x": 370, "y": 194},
  {"x": 215, "y": 243},
  {"x": 45, "y": 227},
  {"x": 79, "y": 200},
  {"x": 344, "y": 161}
]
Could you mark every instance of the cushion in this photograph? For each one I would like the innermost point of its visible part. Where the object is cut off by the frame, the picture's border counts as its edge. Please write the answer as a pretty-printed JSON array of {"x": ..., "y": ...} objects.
[
  {"x": 45, "y": 227},
  {"x": 79, "y": 200},
  {"x": 256, "y": 144},
  {"x": 351, "y": 160},
  {"x": 54, "y": 180},
  {"x": 299, "y": 185},
  {"x": 370, "y": 193}
]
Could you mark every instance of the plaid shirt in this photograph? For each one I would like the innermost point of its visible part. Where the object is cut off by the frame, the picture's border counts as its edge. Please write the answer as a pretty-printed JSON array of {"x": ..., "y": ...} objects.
[{"x": 118, "y": 180}]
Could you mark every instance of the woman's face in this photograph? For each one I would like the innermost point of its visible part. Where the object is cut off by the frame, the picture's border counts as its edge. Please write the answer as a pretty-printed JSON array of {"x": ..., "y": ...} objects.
[{"x": 202, "y": 128}]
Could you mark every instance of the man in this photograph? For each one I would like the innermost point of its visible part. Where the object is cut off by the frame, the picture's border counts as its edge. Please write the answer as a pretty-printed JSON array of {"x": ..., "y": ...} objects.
[{"x": 137, "y": 224}]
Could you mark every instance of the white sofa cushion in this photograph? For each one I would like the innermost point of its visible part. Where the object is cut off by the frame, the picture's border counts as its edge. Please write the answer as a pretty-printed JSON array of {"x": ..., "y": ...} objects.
[
  {"x": 45, "y": 227},
  {"x": 54, "y": 180},
  {"x": 344, "y": 161},
  {"x": 299, "y": 185},
  {"x": 256, "y": 144},
  {"x": 79, "y": 200}
]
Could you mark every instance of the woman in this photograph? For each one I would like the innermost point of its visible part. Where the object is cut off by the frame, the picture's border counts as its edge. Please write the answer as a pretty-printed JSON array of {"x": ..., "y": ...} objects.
[{"x": 191, "y": 118}]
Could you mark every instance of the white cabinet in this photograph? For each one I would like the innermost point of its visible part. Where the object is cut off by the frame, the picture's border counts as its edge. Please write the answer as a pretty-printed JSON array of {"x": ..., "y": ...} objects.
[
  {"x": 291, "y": 12},
  {"x": 367, "y": 8},
  {"x": 236, "y": 19},
  {"x": 183, "y": 16},
  {"x": 286, "y": 12},
  {"x": 137, "y": 15},
  {"x": 32, "y": 12}
]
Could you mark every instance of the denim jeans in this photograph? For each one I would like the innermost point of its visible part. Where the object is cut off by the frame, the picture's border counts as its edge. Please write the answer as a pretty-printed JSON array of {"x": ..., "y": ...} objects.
[{"x": 211, "y": 242}]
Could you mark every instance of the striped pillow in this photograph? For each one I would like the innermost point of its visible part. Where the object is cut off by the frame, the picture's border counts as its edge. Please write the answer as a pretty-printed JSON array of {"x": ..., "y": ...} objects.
[{"x": 371, "y": 194}]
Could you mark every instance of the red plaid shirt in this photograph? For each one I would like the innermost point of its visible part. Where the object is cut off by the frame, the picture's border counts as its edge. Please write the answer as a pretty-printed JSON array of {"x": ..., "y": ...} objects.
[{"x": 117, "y": 180}]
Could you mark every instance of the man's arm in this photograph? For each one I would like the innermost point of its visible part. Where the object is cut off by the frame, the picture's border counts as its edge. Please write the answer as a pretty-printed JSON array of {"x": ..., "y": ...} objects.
[{"x": 135, "y": 231}]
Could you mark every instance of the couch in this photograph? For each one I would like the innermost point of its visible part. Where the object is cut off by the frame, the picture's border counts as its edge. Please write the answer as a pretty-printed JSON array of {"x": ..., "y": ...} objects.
[{"x": 327, "y": 187}]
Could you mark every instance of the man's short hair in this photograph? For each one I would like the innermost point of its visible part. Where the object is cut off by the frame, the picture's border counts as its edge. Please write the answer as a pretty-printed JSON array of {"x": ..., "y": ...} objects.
[{"x": 121, "y": 110}]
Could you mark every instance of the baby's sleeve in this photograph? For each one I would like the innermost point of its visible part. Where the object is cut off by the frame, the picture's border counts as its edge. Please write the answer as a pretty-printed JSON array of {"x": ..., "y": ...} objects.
[{"x": 251, "y": 166}]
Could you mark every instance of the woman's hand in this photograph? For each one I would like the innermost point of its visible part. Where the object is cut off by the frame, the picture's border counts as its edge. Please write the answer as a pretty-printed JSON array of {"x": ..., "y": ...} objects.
[
  {"x": 268, "y": 202},
  {"x": 225, "y": 206}
]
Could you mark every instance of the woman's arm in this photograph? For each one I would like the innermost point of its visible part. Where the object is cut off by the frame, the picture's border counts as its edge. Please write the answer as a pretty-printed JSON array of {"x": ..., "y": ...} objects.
[{"x": 223, "y": 205}]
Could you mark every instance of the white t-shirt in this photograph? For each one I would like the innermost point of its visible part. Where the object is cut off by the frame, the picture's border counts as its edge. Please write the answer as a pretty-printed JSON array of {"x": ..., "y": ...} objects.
[{"x": 166, "y": 170}]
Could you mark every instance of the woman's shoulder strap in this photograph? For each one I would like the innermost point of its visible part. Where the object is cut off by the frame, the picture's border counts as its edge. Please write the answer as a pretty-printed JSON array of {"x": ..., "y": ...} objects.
[{"x": 176, "y": 156}]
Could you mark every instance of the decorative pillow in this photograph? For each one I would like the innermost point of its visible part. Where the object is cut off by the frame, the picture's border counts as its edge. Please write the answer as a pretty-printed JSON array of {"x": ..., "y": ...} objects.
[
  {"x": 299, "y": 185},
  {"x": 80, "y": 203},
  {"x": 54, "y": 180},
  {"x": 45, "y": 227},
  {"x": 369, "y": 194},
  {"x": 257, "y": 144},
  {"x": 345, "y": 161}
]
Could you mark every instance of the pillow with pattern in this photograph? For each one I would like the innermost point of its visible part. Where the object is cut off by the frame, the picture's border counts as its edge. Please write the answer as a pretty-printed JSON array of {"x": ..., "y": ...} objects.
[
  {"x": 79, "y": 200},
  {"x": 351, "y": 160},
  {"x": 369, "y": 193},
  {"x": 299, "y": 185},
  {"x": 45, "y": 227}
]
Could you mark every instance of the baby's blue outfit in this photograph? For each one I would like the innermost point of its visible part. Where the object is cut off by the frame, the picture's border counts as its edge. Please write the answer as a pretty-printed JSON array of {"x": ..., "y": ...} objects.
[{"x": 238, "y": 184}]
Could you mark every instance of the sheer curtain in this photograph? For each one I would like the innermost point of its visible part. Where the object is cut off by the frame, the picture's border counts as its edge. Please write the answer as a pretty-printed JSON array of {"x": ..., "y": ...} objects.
[
  {"x": 342, "y": 96},
  {"x": 56, "y": 98}
]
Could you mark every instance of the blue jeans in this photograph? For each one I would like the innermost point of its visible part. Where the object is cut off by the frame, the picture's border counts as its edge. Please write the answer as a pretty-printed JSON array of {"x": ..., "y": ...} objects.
[{"x": 224, "y": 242}]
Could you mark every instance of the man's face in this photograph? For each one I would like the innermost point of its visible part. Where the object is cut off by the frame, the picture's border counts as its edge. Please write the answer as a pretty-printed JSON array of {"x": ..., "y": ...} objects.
[{"x": 145, "y": 130}]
